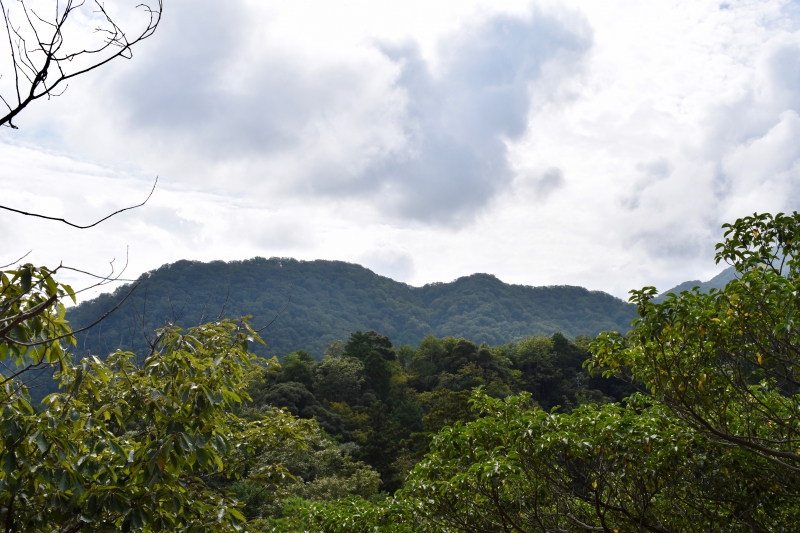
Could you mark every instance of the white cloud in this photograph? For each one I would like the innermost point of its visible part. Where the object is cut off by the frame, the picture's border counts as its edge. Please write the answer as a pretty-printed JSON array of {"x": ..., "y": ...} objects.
[
  {"x": 539, "y": 186},
  {"x": 459, "y": 119},
  {"x": 390, "y": 261},
  {"x": 428, "y": 142},
  {"x": 592, "y": 143}
]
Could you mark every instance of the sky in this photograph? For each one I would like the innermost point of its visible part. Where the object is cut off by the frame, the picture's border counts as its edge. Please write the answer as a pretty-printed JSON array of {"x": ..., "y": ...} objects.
[{"x": 599, "y": 143}]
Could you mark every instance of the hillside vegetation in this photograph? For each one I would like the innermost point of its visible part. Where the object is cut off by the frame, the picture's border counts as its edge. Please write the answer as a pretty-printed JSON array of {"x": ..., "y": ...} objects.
[
  {"x": 687, "y": 423},
  {"x": 331, "y": 299},
  {"x": 717, "y": 282},
  {"x": 385, "y": 403}
]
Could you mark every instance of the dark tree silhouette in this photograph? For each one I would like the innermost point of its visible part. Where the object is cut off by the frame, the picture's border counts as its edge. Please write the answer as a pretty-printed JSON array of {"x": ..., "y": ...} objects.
[
  {"x": 44, "y": 48},
  {"x": 46, "y": 44}
]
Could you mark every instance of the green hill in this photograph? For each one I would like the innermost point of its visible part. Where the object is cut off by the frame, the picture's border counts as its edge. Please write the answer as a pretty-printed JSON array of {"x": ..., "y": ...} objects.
[
  {"x": 331, "y": 299},
  {"x": 717, "y": 282}
]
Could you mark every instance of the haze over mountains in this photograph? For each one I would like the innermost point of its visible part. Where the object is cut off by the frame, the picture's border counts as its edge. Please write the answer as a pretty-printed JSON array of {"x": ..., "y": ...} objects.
[{"x": 331, "y": 299}]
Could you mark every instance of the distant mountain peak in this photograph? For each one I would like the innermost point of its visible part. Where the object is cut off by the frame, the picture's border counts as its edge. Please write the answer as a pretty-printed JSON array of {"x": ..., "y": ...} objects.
[
  {"x": 717, "y": 282},
  {"x": 331, "y": 299}
]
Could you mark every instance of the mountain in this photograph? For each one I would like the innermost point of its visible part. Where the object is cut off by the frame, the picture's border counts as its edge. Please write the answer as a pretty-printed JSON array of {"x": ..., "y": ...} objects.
[
  {"x": 328, "y": 300},
  {"x": 717, "y": 282}
]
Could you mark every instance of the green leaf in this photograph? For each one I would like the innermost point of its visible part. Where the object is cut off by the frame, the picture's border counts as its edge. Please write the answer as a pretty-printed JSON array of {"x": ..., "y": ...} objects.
[
  {"x": 9, "y": 463},
  {"x": 25, "y": 278},
  {"x": 42, "y": 443}
]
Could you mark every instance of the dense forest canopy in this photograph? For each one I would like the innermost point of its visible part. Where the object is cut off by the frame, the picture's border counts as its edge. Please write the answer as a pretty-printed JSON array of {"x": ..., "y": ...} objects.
[
  {"x": 331, "y": 299},
  {"x": 708, "y": 443},
  {"x": 388, "y": 401},
  {"x": 687, "y": 423},
  {"x": 467, "y": 407}
]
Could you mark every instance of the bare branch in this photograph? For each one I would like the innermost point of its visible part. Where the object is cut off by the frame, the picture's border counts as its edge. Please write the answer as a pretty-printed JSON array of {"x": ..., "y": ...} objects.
[
  {"x": 76, "y": 225},
  {"x": 175, "y": 317},
  {"x": 105, "y": 278},
  {"x": 73, "y": 332},
  {"x": 17, "y": 261},
  {"x": 203, "y": 312},
  {"x": 13, "y": 57},
  {"x": 279, "y": 312},
  {"x": 225, "y": 303},
  {"x": 45, "y": 64}
]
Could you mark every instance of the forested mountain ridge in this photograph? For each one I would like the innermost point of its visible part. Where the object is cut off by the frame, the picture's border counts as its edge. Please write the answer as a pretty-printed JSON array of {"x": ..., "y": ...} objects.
[
  {"x": 542, "y": 434},
  {"x": 717, "y": 282},
  {"x": 331, "y": 299}
]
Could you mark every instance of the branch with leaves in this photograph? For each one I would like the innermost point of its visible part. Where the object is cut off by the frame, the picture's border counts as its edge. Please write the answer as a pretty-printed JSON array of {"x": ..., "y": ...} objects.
[
  {"x": 33, "y": 319},
  {"x": 726, "y": 362}
]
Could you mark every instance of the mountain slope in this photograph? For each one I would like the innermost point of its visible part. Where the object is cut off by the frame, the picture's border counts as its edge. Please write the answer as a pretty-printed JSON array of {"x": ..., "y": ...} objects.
[
  {"x": 331, "y": 299},
  {"x": 717, "y": 282}
]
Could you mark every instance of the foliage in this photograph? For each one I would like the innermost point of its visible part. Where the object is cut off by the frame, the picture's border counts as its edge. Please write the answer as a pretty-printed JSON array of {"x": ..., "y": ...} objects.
[
  {"x": 387, "y": 412},
  {"x": 382, "y": 409},
  {"x": 608, "y": 468},
  {"x": 330, "y": 300},
  {"x": 130, "y": 443},
  {"x": 362, "y": 345},
  {"x": 710, "y": 445},
  {"x": 298, "y": 367},
  {"x": 339, "y": 380},
  {"x": 321, "y": 470},
  {"x": 727, "y": 362},
  {"x": 351, "y": 515},
  {"x": 32, "y": 321}
]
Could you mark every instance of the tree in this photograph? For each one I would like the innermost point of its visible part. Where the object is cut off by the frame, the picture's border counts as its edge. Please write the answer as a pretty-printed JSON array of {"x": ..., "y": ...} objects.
[
  {"x": 339, "y": 380},
  {"x": 710, "y": 444},
  {"x": 423, "y": 365},
  {"x": 351, "y": 515},
  {"x": 380, "y": 445},
  {"x": 360, "y": 345},
  {"x": 46, "y": 46},
  {"x": 378, "y": 374},
  {"x": 33, "y": 323},
  {"x": 335, "y": 349},
  {"x": 404, "y": 355},
  {"x": 299, "y": 367},
  {"x": 323, "y": 470},
  {"x": 610, "y": 468},
  {"x": 294, "y": 397},
  {"x": 124, "y": 445},
  {"x": 728, "y": 362}
]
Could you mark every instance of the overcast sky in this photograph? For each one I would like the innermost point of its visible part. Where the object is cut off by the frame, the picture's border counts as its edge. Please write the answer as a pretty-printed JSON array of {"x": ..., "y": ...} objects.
[{"x": 598, "y": 143}]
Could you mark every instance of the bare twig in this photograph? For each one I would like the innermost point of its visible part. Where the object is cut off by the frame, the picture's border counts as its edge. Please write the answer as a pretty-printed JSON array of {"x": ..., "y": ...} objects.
[
  {"x": 17, "y": 261},
  {"x": 44, "y": 67},
  {"x": 222, "y": 311},
  {"x": 175, "y": 317},
  {"x": 203, "y": 312},
  {"x": 279, "y": 312},
  {"x": 73, "y": 332},
  {"x": 76, "y": 225},
  {"x": 104, "y": 280}
]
